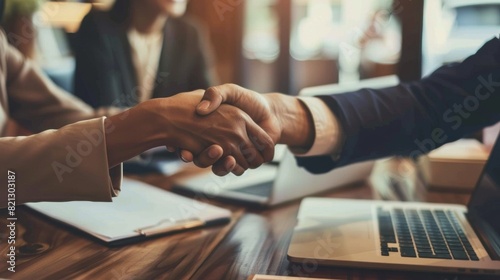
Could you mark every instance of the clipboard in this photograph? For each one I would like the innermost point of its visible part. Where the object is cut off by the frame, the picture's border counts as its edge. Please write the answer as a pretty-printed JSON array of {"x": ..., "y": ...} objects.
[
  {"x": 139, "y": 212},
  {"x": 277, "y": 277}
]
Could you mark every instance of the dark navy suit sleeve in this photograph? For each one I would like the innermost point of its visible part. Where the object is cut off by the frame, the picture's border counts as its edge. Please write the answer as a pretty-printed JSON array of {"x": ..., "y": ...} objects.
[{"x": 413, "y": 118}]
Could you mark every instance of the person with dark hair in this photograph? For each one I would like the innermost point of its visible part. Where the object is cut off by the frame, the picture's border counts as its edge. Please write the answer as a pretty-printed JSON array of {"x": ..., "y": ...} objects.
[{"x": 140, "y": 49}]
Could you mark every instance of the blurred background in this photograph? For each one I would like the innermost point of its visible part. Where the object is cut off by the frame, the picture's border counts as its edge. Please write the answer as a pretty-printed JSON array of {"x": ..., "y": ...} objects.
[
  {"x": 275, "y": 45},
  {"x": 285, "y": 45}
]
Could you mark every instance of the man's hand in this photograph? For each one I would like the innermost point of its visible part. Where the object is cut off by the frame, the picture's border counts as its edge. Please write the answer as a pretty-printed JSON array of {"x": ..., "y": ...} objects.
[
  {"x": 259, "y": 107},
  {"x": 284, "y": 118}
]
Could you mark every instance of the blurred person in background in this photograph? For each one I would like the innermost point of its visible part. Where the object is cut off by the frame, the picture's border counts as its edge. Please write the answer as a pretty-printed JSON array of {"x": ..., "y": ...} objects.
[{"x": 138, "y": 50}]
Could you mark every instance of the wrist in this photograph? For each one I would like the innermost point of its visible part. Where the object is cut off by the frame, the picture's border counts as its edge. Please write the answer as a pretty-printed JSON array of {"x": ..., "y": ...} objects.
[
  {"x": 296, "y": 122},
  {"x": 130, "y": 133},
  {"x": 152, "y": 119}
]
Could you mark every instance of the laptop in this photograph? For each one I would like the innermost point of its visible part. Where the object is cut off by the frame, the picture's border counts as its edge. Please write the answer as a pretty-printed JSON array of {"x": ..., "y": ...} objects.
[
  {"x": 273, "y": 183},
  {"x": 283, "y": 180},
  {"x": 405, "y": 235}
]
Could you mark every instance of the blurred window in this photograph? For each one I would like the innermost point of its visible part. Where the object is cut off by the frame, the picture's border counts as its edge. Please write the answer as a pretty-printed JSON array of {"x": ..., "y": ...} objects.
[
  {"x": 260, "y": 39},
  {"x": 327, "y": 41},
  {"x": 455, "y": 29}
]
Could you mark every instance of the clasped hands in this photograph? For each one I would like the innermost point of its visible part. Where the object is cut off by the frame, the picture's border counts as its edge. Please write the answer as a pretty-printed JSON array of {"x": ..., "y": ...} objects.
[{"x": 234, "y": 128}]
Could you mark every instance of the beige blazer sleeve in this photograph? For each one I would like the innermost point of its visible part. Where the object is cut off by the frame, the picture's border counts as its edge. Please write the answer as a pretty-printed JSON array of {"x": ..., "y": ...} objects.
[
  {"x": 54, "y": 165},
  {"x": 60, "y": 165}
]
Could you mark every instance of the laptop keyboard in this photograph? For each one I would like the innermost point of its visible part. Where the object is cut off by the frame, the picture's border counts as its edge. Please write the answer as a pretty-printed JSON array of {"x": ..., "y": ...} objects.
[{"x": 423, "y": 233}]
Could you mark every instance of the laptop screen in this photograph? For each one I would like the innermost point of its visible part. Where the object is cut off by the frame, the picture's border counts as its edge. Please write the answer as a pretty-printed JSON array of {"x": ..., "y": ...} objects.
[{"x": 484, "y": 204}]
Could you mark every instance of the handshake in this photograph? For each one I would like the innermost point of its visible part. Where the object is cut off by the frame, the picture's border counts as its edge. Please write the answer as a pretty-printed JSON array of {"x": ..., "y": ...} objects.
[
  {"x": 233, "y": 128},
  {"x": 227, "y": 127}
]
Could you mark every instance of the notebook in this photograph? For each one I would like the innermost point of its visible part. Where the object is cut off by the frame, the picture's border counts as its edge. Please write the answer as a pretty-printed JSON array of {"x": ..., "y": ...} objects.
[
  {"x": 277, "y": 277},
  {"x": 140, "y": 211},
  {"x": 419, "y": 236}
]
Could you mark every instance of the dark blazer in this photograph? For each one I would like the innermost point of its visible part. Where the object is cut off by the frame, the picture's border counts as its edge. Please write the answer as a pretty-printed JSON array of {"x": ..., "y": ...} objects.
[
  {"x": 414, "y": 118},
  {"x": 105, "y": 74}
]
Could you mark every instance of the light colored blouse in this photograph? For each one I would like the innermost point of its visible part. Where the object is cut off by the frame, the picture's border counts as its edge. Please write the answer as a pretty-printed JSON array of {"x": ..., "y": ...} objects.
[{"x": 146, "y": 51}]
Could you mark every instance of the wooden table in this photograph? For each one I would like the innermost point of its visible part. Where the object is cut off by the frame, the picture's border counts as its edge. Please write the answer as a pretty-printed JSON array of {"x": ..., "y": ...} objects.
[{"x": 255, "y": 241}]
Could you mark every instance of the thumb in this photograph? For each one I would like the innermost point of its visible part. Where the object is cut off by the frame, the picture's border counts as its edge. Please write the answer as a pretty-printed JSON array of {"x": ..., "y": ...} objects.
[
  {"x": 212, "y": 99},
  {"x": 228, "y": 94}
]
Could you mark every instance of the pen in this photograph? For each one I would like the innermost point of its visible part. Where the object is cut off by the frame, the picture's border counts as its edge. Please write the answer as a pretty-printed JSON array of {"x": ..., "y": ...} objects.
[{"x": 170, "y": 225}]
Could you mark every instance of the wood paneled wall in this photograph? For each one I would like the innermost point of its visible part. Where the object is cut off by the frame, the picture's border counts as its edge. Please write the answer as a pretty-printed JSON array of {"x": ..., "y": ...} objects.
[{"x": 223, "y": 19}]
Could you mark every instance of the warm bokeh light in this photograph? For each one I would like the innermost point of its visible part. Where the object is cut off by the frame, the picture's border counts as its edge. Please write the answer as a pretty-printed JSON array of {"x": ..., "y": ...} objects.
[{"x": 67, "y": 15}]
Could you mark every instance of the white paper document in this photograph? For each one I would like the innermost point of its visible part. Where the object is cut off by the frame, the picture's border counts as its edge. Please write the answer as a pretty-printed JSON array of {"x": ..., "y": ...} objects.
[{"x": 139, "y": 210}]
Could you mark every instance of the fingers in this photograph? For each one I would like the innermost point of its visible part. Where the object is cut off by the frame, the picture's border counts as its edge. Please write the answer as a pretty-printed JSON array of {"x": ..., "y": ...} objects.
[
  {"x": 239, "y": 156},
  {"x": 215, "y": 96},
  {"x": 227, "y": 165},
  {"x": 186, "y": 156},
  {"x": 210, "y": 102},
  {"x": 261, "y": 151},
  {"x": 212, "y": 157},
  {"x": 209, "y": 156},
  {"x": 238, "y": 170},
  {"x": 262, "y": 143},
  {"x": 250, "y": 150}
]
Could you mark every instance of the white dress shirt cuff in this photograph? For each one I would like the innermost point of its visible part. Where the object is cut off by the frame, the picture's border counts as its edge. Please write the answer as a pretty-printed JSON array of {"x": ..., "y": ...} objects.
[{"x": 327, "y": 130}]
